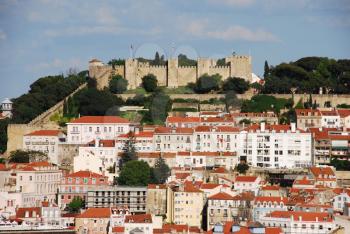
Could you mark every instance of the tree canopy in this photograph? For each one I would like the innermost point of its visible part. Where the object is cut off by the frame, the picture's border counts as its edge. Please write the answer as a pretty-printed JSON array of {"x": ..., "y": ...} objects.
[
  {"x": 129, "y": 151},
  {"x": 239, "y": 85},
  {"x": 118, "y": 84},
  {"x": 76, "y": 204},
  {"x": 263, "y": 103},
  {"x": 207, "y": 83},
  {"x": 161, "y": 171},
  {"x": 135, "y": 173},
  {"x": 149, "y": 82},
  {"x": 3, "y": 134},
  {"x": 308, "y": 75},
  {"x": 158, "y": 105},
  {"x": 183, "y": 60},
  {"x": 43, "y": 94},
  {"x": 21, "y": 156}
]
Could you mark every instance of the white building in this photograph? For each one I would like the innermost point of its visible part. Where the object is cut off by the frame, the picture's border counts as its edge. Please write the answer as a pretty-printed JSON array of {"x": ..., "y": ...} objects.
[
  {"x": 140, "y": 223},
  {"x": 38, "y": 181},
  {"x": 88, "y": 128},
  {"x": 99, "y": 156},
  {"x": 143, "y": 141},
  {"x": 227, "y": 160},
  {"x": 276, "y": 146},
  {"x": 330, "y": 119},
  {"x": 293, "y": 222},
  {"x": 174, "y": 139},
  {"x": 247, "y": 183},
  {"x": 6, "y": 108},
  {"x": 45, "y": 141},
  {"x": 216, "y": 138},
  {"x": 341, "y": 199}
]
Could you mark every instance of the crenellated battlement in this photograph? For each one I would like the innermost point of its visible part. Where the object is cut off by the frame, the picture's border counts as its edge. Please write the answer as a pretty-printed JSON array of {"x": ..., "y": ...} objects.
[{"x": 171, "y": 74}]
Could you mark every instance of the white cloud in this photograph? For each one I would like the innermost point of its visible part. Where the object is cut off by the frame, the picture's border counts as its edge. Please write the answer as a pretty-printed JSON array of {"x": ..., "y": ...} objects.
[
  {"x": 202, "y": 28},
  {"x": 56, "y": 64},
  {"x": 3, "y": 35}
]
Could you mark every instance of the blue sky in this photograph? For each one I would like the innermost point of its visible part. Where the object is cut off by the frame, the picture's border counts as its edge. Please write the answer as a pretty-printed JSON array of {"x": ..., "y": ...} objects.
[{"x": 43, "y": 37}]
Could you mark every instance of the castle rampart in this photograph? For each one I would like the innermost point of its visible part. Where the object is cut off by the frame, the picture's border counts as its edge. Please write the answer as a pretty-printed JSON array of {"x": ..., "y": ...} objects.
[{"x": 171, "y": 74}]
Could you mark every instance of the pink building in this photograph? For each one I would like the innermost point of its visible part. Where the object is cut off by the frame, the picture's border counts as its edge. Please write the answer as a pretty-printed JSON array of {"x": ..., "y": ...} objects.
[{"x": 77, "y": 184}]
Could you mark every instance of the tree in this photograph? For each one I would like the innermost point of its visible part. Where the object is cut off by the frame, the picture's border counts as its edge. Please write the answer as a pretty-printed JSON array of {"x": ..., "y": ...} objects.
[
  {"x": 76, "y": 204},
  {"x": 238, "y": 85},
  {"x": 242, "y": 168},
  {"x": 231, "y": 101},
  {"x": 3, "y": 134},
  {"x": 184, "y": 61},
  {"x": 266, "y": 69},
  {"x": 161, "y": 171},
  {"x": 92, "y": 83},
  {"x": 129, "y": 151},
  {"x": 135, "y": 173},
  {"x": 20, "y": 156},
  {"x": 118, "y": 84},
  {"x": 158, "y": 106},
  {"x": 207, "y": 83},
  {"x": 149, "y": 82},
  {"x": 91, "y": 101}
]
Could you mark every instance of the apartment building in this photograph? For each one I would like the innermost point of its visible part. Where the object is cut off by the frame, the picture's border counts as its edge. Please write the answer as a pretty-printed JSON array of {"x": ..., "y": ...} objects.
[
  {"x": 45, "y": 141},
  {"x": 264, "y": 205},
  {"x": 143, "y": 141},
  {"x": 276, "y": 146},
  {"x": 293, "y": 222},
  {"x": 38, "y": 181},
  {"x": 98, "y": 156},
  {"x": 185, "y": 204},
  {"x": 88, "y": 128},
  {"x": 114, "y": 196},
  {"x": 156, "y": 201},
  {"x": 247, "y": 184},
  {"x": 77, "y": 184},
  {"x": 167, "y": 139}
]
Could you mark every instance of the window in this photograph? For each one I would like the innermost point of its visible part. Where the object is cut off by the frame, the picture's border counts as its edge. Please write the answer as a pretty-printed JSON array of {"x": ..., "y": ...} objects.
[{"x": 30, "y": 178}]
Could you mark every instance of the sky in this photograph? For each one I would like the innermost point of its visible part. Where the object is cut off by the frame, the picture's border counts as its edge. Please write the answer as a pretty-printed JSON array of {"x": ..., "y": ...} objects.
[{"x": 48, "y": 37}]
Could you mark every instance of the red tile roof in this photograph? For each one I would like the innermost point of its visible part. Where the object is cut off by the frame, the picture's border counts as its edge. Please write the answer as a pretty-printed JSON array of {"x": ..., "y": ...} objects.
[
  {"x": 303, "y": 181},
  {"x": 209, "y": 186},
  {"x": 85, "y": 174},
  {"x": 167, "y": 130},
  {"x": 305, "y": 216},
  {"x": 33, "y": 212},
  {"x": 103, "y": 143},
  {"x": 100, "y": 120},
  {"x": 139, "y": 218},
  {"x": 275, "y": 127},
  {"x": 156, "y": 186},
  {"x": 118, "y": 230},
  {"x": 96, "y": 213},
  {"x": 246, "y": 179},
  {"x": 177, "y": 119},
  {"x": 137, "y": 135},
  {"x": 190, "y": 188},
  {"x": 221, "y": 196},
  {"x": 317, "y": 171},
  {"x": 219, "y": 170},
  {"x": 45, "y": 133}
]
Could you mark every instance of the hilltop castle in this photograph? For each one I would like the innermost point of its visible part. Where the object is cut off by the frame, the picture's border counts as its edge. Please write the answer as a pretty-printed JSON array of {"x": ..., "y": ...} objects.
[{"x": 171, "y": 75}]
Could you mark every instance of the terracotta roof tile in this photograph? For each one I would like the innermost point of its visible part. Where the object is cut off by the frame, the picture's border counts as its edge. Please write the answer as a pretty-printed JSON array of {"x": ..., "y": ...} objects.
[
  {"x": 221, "y": 196},
  {"x": 45, "y": 133},
  {"x": 96, "y": 213},
  {"x": 305, "y": 216},
  {"x": 100, "y": 120},
  {"x": 85, "y": 174},
  {"x": 246, "y": 179},
  {"x": 139, "y": 218}
]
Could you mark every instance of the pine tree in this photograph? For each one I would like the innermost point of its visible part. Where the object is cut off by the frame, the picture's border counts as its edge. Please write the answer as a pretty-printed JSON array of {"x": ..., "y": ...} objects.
[
  {"x": 65, "y": 108},
  {"x": 129, "y": 151},
  {"x": 156, "y": 59},
  {"x": 266, "y": 69},
  {"x": 161, "y": 171}
]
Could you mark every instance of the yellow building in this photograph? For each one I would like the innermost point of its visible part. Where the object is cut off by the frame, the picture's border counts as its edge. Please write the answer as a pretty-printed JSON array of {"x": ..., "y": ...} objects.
[{"x": 185, "y": 205}]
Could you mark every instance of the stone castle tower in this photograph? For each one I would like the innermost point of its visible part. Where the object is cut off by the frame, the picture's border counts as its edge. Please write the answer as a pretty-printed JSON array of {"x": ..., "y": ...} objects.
[{"x": 171, "y": 75}]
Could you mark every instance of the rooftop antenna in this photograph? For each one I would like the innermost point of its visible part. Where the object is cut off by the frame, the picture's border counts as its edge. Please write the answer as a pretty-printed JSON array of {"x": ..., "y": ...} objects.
[{"x": 131, "y": 51}]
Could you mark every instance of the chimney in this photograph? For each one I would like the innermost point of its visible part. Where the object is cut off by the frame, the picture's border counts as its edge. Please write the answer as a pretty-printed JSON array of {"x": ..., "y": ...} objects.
[
  {"x": 262, "y": 126},
  {"x": 293, "y": 127}
]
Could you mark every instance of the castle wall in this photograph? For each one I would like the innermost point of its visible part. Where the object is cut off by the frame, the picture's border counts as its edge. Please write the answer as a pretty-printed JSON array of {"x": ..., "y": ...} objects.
[
  {"x": 171, "y": 75},
  {"x": 187, "y": 75},
  {"x": 161, "y": 73},
  {"x": 241, "y": 66},
  {"x": 224, "y": 71}
]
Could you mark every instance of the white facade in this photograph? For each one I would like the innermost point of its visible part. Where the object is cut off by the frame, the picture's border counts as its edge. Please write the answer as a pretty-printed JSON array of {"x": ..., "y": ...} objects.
[
  {"x": 88, "y": 128},
  {"x": 293, "y": 222},
  {"x": 98, "y": 158},
  {"x": 330, "y": 121},
  {"x": 45, "y": 141},
  {"x": 277, "y": 146},
  {"x": 340, "y": 200},
  {"x": 6, "y": 108},
  {"x": 206, "y": 159},
  {"x": 37, "y": 182},
  {"x": 247, "y": 183}
]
